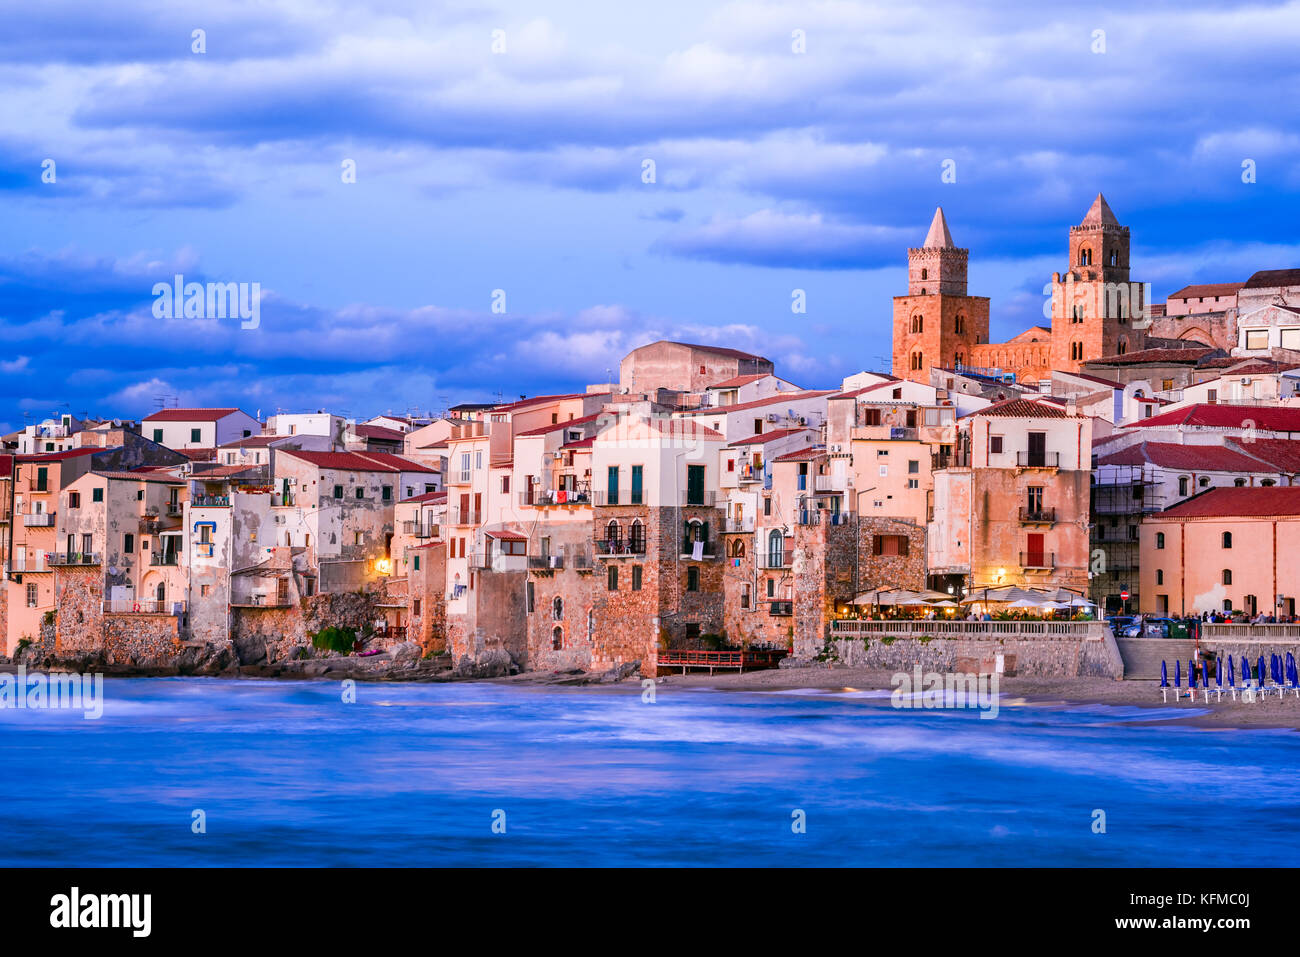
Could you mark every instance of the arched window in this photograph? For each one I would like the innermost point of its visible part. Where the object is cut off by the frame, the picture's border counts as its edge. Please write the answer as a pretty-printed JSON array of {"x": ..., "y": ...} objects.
[
  {"x": 557, "y": 638},
  {"x": 1227, "y": 539},
  {"x": 1227, "y": 604},
  {"x": 1160, "y": 576},
  {"x": 1268, "y": 482},
  {"x": 925, "y": 274},
  {"x": 738, "y": 548},
  {"x": 918, "y": 324},
  {"x": 612, "y": 532},
  {"x": 916, "y": 361},
  {"x": 1114, "y": 257},
  {"x": 557, "y": 609},
  {"x": 161, "y": 592},
  {"x": 1122, "y": 347},
  {"x": 1227, "y": 576},
  {"x": 1085, "y": 256},
  {"x": 636, "y": 537},
  {"x": 961, "y": 324},
  {"x": 775, "y": 549},
  {"x": 1203, "y": 481},
  {"x": 1160, "y": 539}
]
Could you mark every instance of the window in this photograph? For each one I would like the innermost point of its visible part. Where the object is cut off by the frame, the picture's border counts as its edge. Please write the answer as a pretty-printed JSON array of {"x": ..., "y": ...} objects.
[
  {"x": 415, "y": 607},
  {"x": 196, "y": 435},
  {"x": 1085, "y": 256},
  {"x": 960, "y": 324},
  {"x": 1203, "y": 481},
  {"x": 925, "y": 274},
  {"x": 74, "y": 500},
  {"x": 1227, "y": 576},
  {"x": 529, "y": 597},
  {"x": 918, "y": 362},
  {"x": 693, "y": 578},
  {"x": 1227, "y": 539},
  {"x": 758, "y": 426},
  {"x": 636, "y": 577},
  {"x": 913, "y": 466},
  {"x": 636, "y": 537},
  {"x": 637, "y": 478},
  {"x": 1291, "y": 339},
  {"x": 611, "y": 582},
  {"x": 1160, "y": 539},
  {"x": 128, "y": 544},
  {"x": 1160, "y": 576},
  {"x": 775, "y": 549},
  {"x": 415, "y": 562},
  {"x": 1256, "y": 339},
  {"x": 505, "y": 485},
  {"x": 97, "y": 495},
  {"x": 338, "y": 491},
  {"x": 995, "y": 445},
  {"x": 157, "y": 435},
  {"x": 32, "y": 596},
  {"x": 1182, "y": 484},
  {"x": 387, "y": 493},
  {"x": 744, "y": 595},
  {"x": 767, "y": 507},
  {"x": 771, "y": 588},
  {"x": 887, "y": 545},
  {"x": 361, "y": 493},
  {"x": 205, "y": 590},
  {"x": 918, "y": 324},
  {"x": 557, "y": 609},
  {"x": 1076, "y": 351},
  {"x": 611, "y": 497},
  {"x": 557, "y": 639}
]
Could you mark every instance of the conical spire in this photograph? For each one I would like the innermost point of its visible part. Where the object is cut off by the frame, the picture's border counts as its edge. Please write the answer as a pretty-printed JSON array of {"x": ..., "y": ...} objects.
[
  {"x": 938, "y": 237},
  {"x": 1099, "y": 214}
]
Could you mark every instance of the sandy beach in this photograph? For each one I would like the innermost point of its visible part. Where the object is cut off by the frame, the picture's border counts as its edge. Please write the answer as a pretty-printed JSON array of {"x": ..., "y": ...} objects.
[{"x": 1269, "y": 711}]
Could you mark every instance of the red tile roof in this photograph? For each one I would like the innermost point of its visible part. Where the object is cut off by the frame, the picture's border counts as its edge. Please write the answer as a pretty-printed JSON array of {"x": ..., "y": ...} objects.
[
  {"x": 1247, "y": 502},
  {"x": 1025, "y": 409},
  {"x": 1268, "y": 278},
  {"x": 801, "y": 455},
  {"x": 580, "y": 444},
  {"x": 397, "y": 462},
  {"x": 766, "y": 437},
  {"x": 737, "y": 381},
  {"x": 1192, "y": 355},
  {"x": 1210, "y": 290},
  {"x": 1184, "y": 458},
  {"x": 359, "y": 461},
  {"x": 60, "y": 456},
  {"x": 378, "y": 432},
  {"x": 1282, "y": 455},
  {"x": 140, "y": 477},
  {"x": 544, "y": 429},
  {"x": 780, "y": 398},
  {"x": 198, "y": 455},
  {"x": 1110, "y": 383},
  {"x": 524, "y": 403},
  {"x": 428, "y": 498},
  {"x": 506, "y": 536},
  {"x": 255, "y": 441},
  {"x": 718, "y": 350},
  {"x": 1262, "y": 417},
  {"x": 190, "y": 415}
]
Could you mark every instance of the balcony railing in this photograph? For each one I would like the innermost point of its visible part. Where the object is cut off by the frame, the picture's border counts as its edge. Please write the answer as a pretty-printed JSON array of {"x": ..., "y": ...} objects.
[
  {"x": 739, "y": 525},
  {"x": 1038, "y": 460},
  {"x": 210, "y": 501},
  {"x": 158, "y": 559},
  {"x": 174, "y": 509},
  {"x": 710, "y": 550},
  {"x": 143, "y": 606},
  {"x": 782, "y": 559},
  {"x": 467, "y": 516},
  {"x": 462, "y": 476},
  {"x": 750, "y": 473},
  {"x": 618, "y": 497},
  {"x": 72, "y": 558},
  {"x": 1037, "y": 559},
  {"x": 828, "y": 483},
  {"x": 259, "y": 599},
  {"x": 20, "y": 563},
  {"x": 1037, "y": 516},
  {"x": 781, "y": 608},
  {"x": 549, "y": 498},
  {"x": 705, "y": 499},
  {"x": 620, "y": 546},
  {"x": 421, "y": 529},
  {"x": 952, "y": 460},
  {"x": 282, "y": 499},
  {"x": 581, "y": 561},
  {"x": 546, "y": 561},
  {"x": 823, "y": 516},
  {"x": 38, "y": 520}
]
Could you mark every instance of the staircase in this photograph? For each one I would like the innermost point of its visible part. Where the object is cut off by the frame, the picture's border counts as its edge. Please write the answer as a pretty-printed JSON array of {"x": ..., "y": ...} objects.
[{"x": 1142, "y": 656}]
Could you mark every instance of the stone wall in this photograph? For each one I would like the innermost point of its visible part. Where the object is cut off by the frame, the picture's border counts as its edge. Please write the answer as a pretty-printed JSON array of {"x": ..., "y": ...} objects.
[{"x": 1036, "y": 657}]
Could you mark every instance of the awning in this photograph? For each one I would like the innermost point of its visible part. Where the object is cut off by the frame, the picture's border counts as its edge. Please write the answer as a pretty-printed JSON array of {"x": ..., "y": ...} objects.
[{"x": 505, "y": 536}]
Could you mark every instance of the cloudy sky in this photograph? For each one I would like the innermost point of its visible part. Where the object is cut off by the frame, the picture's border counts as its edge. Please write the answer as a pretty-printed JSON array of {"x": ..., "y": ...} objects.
[{"x": 794, "y": 146}]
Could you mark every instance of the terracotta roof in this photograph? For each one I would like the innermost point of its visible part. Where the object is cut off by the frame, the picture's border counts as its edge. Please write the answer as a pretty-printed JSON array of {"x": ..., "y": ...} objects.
[
  {"x": 378, "y": 432},
  {"x": 1184, "y": 458},
  {"x": 544, "y": 429},
  {"x": 1282, "y": 455},
  {"x": 1025, "y": 409},
  {"x": 1110, "y": 383},
  {"x": 397, "y": 463},
  {"x": 255, "y": 441},
  {"x": 801, "y": 455},
  {"x": 580, "y": 444},
  {"x": 506, "y": 536},
  {"x": 1193, "y": 355},
  {"x": 717, "y": 350},
  {"x": 428, "y": 498},
  {"x": 738, "y": 381},
  {"x": 1265, "y": 418},
  {"x": 198, "y": 455},
  {"x": 1268, "y": 278},
  {"x": 524, "y": 403},
  {"x": 780, "y": 398},
  {"x": 358, "y": 461},
  {"x": 1247, "y": 502},
  {"x": 1210, "y": 290},
  {"x": 139, "y": 477},
  {"x": 60, "y": 456},
  {"x": 766, "y": 437},
  {"x": 190, "y": 415}
]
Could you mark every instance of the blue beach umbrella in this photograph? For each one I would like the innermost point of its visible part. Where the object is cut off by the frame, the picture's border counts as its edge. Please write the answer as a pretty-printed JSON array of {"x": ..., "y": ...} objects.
[
  {"x": 1178, "y": 673},
  {"x": 1259, "y": 672},
  {"x": 1275, "y": 669},
  {"x": 1191, "y": 674},
  {"x": 1232, "y": 679},
  {"x": 1218, "y": 675},
  {"x": 1164, "y": 674},
  {"x": 1291, "y": 675}
]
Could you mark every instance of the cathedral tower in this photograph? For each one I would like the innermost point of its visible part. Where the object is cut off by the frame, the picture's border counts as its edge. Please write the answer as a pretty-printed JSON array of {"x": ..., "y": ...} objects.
[
  {"x": 1094, "y": 305},
  {"x": 937, "y": 323}
]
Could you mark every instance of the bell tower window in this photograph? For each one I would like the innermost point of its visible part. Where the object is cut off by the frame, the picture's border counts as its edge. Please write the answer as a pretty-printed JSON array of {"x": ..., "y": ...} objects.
[{"x": 925, "y": 274}]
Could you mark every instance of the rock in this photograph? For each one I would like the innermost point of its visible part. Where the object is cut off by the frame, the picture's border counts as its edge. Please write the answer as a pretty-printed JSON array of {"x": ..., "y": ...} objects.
[
  {"x": 621, "y": 673},
  {"x": 492, "y": 663},
  {"x": 407, "y": 651},
  {"x": 251, "y": 649}
]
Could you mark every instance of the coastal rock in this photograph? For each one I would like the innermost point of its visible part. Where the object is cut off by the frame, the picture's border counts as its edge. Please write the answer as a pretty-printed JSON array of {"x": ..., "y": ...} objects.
[
  {"x": 621, "y": 673},
  {"x": 406, "y": 652},
  {"x": 251, "y": 649},
  {"x": 492, "y": 663}
]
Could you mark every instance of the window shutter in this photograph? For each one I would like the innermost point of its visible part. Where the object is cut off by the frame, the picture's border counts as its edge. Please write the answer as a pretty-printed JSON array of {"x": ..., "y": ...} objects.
[
  {"x": 877, "y": 546},
  {"x": 902, "y": 544}
]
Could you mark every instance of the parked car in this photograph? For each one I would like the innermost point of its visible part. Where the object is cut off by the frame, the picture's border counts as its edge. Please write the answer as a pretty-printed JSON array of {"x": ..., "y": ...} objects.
[
  {"x": 1165, "y": 628},
  {"x": 1120, "y": 624}
]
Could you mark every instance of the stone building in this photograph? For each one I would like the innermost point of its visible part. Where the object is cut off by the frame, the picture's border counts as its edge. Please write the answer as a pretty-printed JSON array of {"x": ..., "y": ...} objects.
[{"x": 685, "y": 367}]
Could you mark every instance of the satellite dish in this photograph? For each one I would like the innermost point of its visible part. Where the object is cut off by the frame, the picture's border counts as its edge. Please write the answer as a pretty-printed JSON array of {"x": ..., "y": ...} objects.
[{"x": 112, "y": 569}]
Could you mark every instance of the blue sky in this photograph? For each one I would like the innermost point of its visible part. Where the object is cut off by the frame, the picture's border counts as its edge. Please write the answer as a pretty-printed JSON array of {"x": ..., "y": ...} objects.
[{"x": 521, "y": 170}]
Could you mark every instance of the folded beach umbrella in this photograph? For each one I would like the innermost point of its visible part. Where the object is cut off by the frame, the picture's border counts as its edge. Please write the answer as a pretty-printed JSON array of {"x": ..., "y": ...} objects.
[
  {"x": 1218, "y": 675},
  {"x": 1259, "y": 671},
  {"x": 1164, "y": 674},
  {"x": 1275, "y": 669},
  {"x": 1232, "y": 681},
  {"x": 1191, "y": 673},
  {"x": 1178, "y": 673},
  {"x": 1291, "y": 675}
]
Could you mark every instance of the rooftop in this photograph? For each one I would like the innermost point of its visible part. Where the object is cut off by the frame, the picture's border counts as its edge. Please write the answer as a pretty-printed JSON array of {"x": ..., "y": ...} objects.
[
  {"x": 1220, "y": 416},
  {"x": 1246, "y": 502},
  {"x": 190, "y": 415}
]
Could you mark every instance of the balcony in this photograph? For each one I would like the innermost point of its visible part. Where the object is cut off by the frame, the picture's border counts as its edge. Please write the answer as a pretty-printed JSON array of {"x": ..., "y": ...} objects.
[
  {"x": 174, "y": 509},
  {"x": 20, "y": 563},
  {"x": 738, "y": 525},
  {"x": 252, "y": 599},
  {"x": 709, "y": 551},
  {"x": 420, "y": 530},
  {"x": 783, "y": 609},
  {"x": 700, "y": 499},
  {"x": 283, "y": 499},
  {"x": 619, "y": 547},
  {"x": 1037, "y": 516},
  {"x": 38, "y": 520},
  {"x": 461, "y": 476},
  {"x": 1038, "y": 460},
  {"x": 546, "y": 562},
  {"x": 72, "y": 558},
  {"x": 823, "y": 516},
  {"x": 550, "y": 498},
  {"x": 464, "y": 517},
  {"x": 750, "y": 473},
  {"x": 1038, "y": 560},
  {"x": 782, "y": 559},
  {"x": 952, "y": 460},
  {"x": 164, "y": 559},
  {"x": 210, "y": 501},
  {"x": 618, "y": 497},
  {"x": 581, "y": 561},
  {"x": 828, "y": 483},
  {"x": 145, "y": 606}
]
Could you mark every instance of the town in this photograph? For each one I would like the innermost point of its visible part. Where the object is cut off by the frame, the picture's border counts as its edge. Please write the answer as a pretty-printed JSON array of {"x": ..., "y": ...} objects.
[{"x": 703, "y": 510}]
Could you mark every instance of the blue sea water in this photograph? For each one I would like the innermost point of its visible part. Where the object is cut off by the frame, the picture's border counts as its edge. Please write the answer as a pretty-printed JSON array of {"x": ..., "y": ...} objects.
[{"x": 289, "y": 774}]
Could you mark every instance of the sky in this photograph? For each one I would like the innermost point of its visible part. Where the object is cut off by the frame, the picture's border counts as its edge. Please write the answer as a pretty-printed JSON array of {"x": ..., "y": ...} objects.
[{"x": 541, "y": 187}]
